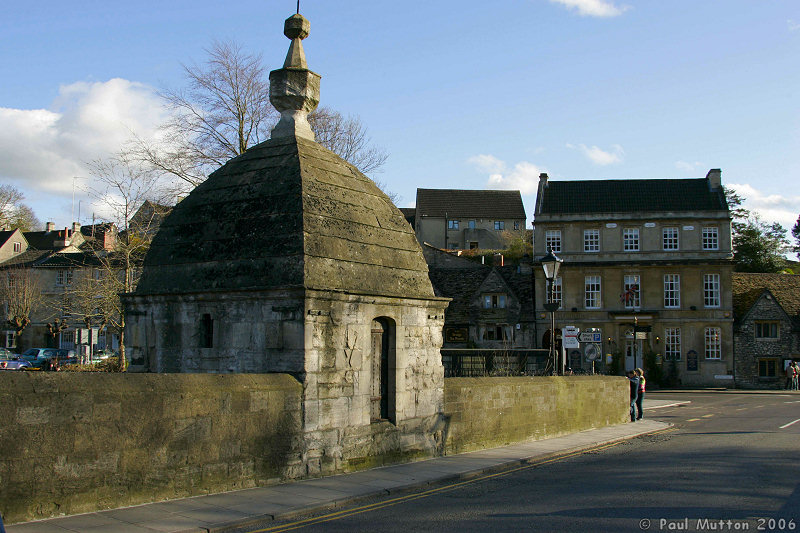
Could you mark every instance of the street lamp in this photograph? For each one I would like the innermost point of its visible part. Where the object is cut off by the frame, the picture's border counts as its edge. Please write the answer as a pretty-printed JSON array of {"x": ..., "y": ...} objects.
[{"x": 550, "y": 265}]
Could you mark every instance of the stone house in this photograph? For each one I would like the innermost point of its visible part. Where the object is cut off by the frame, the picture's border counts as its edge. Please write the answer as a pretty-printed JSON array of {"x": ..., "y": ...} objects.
[
  {"x": 57, "y": 260},
  {"x": 459, "y": 219},
  {"x": 492, "y": 305},
  {"x": 648, "y": 262},
  {"x": 332, "y": 288},
  {"x": 766, "y": 328}
]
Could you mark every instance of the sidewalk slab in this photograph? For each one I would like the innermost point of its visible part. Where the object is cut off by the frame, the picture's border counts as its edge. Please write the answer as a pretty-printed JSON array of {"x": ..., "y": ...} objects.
[{"x": 218, "y": 512}]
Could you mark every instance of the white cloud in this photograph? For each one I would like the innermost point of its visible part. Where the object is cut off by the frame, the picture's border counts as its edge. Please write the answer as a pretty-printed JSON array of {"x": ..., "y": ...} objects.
[
  {"x": 593, "y": 8},
  {"x": 524, "y": 177},
  {"x": 689, "y": 168},
  {"x": 793, "y": 26},
  {"x": 487, "y": 163},
  {"x": 781, "y": 208},
  {"x": 41, "y": 150},
  {"x": 601, "y": 157}
]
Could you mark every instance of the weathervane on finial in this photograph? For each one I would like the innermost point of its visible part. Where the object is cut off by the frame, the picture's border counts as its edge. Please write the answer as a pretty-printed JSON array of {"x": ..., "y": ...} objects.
[{"x": 298, "y": 7}]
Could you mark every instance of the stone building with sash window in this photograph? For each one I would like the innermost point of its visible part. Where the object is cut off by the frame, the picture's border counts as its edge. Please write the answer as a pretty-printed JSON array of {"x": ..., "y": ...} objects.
[{"x": 648, "y": 262}]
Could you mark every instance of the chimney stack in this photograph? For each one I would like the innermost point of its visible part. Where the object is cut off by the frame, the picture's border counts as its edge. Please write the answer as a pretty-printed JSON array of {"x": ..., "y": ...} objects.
[
  {"x": 50, "y": 226},
  {"x": 714, "y": 178}
]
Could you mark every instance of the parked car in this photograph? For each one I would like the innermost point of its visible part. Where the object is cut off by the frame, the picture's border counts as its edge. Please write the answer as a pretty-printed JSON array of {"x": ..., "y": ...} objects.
[
  {"x": 12, "y": 361},
  {"x": 49, "y": 358}
]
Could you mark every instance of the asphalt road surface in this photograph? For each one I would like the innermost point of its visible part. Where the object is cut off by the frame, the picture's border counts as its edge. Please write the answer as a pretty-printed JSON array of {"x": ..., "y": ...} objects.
[{"x": 730, "y": 463}]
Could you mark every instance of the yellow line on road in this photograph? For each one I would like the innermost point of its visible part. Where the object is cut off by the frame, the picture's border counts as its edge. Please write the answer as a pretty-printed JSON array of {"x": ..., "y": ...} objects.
[
  {"x": 395, "y": 501},
  {"x": 789, "y": 424},
  {"x": 693, "y": 420},
  {"x": 707, "y": 416}
]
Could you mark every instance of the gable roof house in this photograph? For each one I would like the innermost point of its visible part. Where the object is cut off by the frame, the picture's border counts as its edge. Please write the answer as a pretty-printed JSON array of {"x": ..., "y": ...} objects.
[
  {"x": 649, "y": 263},
  {"x": 766, "y": 328},
  {"x": 466, "y": 219},
  {"x": 12, "y": 243},
  {"x": 491, "y": 305}
]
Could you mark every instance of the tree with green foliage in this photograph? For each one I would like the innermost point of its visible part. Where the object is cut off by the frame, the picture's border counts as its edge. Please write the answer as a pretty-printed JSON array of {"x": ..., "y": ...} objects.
[
  {"x": 760, "y": 247},
  {"x": 739, "y": 214},
  {"x": 796, "y": 235}
]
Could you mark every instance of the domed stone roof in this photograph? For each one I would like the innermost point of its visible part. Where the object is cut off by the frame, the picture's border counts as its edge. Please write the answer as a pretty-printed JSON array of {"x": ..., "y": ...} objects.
[{"x": 287, "y": 212}]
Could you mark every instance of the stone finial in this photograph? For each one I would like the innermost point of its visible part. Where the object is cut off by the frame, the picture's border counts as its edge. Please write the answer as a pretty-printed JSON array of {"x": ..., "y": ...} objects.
[{"x": 294, "y": 90}]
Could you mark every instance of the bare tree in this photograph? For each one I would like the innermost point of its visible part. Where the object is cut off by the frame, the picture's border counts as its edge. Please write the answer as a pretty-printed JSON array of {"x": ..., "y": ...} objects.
[
  {"x": 21, "y": 291},
  {"x": 224, "y": 110},
  {"x": 125, "y": 187},
  {"x": 13, "y": 213},
  {"x": 346, "y": 137}
]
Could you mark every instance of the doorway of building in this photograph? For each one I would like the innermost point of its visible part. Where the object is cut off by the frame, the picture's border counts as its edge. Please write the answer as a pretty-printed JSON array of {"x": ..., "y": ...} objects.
[{"x": 381, "y": 390}]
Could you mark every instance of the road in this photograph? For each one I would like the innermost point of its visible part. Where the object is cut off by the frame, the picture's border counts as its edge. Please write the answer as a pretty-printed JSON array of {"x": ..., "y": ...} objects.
[{"x": 730, "y": 463}]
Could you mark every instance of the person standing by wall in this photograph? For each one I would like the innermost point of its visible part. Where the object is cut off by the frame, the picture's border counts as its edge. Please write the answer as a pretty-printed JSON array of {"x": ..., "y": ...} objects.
[
  {"x": 634, "y": 381},
  {"x": 640, "y": 393},
  {"x": 795, "y": 374}
]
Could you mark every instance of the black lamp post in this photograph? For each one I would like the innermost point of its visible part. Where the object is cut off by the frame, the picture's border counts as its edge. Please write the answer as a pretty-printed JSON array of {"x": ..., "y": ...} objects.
[{"x": 550, "y": 265}]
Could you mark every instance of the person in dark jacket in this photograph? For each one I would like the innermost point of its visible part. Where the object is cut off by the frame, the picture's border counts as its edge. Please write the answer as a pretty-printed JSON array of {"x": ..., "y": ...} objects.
[{"x": 634, "y": 392}]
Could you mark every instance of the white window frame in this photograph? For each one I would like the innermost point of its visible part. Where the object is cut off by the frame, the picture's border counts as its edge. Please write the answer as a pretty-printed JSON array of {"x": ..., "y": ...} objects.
[
  {"x": 591, "y": 240},
  {"x": 592, "y": 292},
  {"x": 712, "y": 294},
  {"x": 558, "y": 295},
  {"x": 629, "y": 280},
  {"x": 672, "y": 344},
  {"x": 552, "y": 240},
  {"x": 672, "y": 291},
  {"x": 713, "y": 343},
  {"x": 710, "y": 238},
  {"x": 670, "y": 238},
  {"x": 9, "y": 339},
  {"x": 630, "y": 240}
]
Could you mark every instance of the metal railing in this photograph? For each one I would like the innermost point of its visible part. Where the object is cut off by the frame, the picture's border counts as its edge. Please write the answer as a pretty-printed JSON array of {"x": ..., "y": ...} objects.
[{"x": 477, "y": 362}]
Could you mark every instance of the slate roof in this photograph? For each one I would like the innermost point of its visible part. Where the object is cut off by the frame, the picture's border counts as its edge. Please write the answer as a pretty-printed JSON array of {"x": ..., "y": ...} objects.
[
  {"x": 27, "y": 258},
  {"x": 5, "y": 235},
  {"x": 462, "y": 203},
  {"x": 461, "y": 279},
  {"x": 628, "y": 196},
  {"x": 748, "y": 287},
  {"x": 286, "y": 213}
]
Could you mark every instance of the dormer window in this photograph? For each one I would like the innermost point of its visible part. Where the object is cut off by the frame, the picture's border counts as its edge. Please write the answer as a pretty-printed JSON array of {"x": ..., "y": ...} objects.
[{"x": 494, "y": 301}]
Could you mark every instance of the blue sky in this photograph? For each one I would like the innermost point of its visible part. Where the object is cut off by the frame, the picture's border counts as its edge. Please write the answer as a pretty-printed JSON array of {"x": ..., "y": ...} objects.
[{"x": 462, "y": 94}]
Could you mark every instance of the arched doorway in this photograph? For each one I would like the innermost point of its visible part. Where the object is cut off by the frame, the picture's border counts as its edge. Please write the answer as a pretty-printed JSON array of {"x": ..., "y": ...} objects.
[{"x": 382, "y": 365}]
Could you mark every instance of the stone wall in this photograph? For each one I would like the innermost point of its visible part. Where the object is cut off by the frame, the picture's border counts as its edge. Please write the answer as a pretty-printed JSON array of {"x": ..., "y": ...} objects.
[
  {"x": 75, "y": 443},
  {"x": 79, "y": 442},
  {"x": 489, "y": 412}
]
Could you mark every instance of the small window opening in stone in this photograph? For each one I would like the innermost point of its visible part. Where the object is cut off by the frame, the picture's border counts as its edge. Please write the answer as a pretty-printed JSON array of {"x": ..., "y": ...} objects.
[{"x": 207, "y": 331}]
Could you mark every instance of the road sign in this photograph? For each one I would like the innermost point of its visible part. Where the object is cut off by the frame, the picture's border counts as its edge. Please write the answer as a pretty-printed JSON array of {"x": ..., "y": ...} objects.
[
  {"x": 590, "y": 336},
  {"x": 570, "y": 339},
  {"x": 592, "y": 352}
]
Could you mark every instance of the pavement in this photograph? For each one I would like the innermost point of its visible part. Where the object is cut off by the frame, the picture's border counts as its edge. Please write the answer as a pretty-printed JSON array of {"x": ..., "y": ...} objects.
[{"x": 218, "y": 512}]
